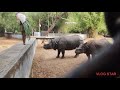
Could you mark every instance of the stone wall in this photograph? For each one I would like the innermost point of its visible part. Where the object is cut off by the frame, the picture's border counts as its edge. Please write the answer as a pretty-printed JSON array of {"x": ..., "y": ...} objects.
[{"x": 16, "y": 62}]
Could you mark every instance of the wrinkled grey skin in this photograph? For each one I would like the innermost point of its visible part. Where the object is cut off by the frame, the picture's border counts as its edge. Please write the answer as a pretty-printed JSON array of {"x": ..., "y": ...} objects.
[
  {"x": 64, "y": 43},
  {"x": 92, "y": 47}
]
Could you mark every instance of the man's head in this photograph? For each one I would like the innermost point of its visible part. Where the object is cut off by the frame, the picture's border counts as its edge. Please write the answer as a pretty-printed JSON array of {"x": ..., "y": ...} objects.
[
  {"x": 17, "y": 13},
  {"x": 20, "y": 16}
]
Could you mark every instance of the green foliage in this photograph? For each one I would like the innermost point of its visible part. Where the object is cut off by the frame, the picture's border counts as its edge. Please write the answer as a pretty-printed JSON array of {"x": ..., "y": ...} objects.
[
  {"x": 83, "y": 20},
  {"x": 8, "y": 21}
]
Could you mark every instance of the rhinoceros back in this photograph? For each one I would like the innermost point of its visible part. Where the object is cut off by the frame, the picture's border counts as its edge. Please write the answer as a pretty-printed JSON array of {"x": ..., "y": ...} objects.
[
  {"x": 97, "y": 45},
  {"x": 70, "y": 42}
]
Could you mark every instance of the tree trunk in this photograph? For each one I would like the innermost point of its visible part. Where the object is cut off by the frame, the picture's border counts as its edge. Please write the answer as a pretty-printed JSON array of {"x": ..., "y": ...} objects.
[
  {"x": 55, "y": 22},
  {"x": 91, "y": 33}
]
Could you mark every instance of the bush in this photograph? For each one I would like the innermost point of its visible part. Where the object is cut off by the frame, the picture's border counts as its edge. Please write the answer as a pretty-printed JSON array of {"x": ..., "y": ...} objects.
[
  {"x": 103, "y": 32},
  {"x": 84, "y": 20},
  {"x": 74, "y": 31}
]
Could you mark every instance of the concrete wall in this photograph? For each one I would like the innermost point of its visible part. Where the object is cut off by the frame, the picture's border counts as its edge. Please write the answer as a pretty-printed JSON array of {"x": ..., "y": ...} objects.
[
  {"x": 18, "y": 36},
  {"x": 84, "y": 36},
  {"x": 16, "y": 62},
  {"x": 37, "y": 34}
]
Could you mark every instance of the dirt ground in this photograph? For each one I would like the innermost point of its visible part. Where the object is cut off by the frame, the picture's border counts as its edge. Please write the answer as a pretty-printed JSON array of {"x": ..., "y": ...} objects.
[
  {"x": 7, "y": 43},
  {"x": 46, "y": 65}
]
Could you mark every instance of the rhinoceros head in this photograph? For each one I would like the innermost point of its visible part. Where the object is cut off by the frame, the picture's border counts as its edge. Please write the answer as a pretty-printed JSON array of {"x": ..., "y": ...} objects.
[
  {"x": 81, "y": 49},
  {"x": 47, "y": 46},
  {"x": 51, "y": 45}
]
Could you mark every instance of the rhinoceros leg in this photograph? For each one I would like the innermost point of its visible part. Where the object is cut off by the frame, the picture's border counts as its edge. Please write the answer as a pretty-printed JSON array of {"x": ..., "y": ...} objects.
[
  {"x": 88, "y": 55},
  {"x": 76, "y": 55},
  {"x": 58, "y": 54},
  {"x": 63, "y": 53}
]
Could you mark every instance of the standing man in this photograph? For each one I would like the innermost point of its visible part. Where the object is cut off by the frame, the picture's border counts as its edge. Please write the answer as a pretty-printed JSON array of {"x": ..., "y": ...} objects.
[{"x": 24, "y": 26}]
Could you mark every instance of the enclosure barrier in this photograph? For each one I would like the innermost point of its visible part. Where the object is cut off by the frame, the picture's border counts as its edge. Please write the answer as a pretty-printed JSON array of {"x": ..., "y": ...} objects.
[{"x": 16, "y": 62}]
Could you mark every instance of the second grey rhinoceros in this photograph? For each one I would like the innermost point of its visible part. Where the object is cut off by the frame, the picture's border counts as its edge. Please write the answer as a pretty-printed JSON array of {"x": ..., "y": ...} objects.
[{"x": 92, "y": 47}]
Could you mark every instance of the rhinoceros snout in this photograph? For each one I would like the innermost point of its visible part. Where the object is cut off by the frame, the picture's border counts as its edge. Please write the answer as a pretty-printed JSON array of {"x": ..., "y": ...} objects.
[
  {"x": 77, "y": 51},
  {"x": 46, "y": 46}
]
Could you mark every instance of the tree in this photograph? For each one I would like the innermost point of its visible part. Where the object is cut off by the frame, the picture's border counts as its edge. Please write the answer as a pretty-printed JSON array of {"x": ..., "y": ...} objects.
[
  {"x": 85, "y": 21},
  {"x": 56, "y": 21}
]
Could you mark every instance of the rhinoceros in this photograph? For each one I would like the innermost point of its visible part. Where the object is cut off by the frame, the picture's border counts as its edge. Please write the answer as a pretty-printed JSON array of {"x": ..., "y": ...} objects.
[
  {"x": 64, "y": 43},
  {"x": 92, "y": 47}
]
